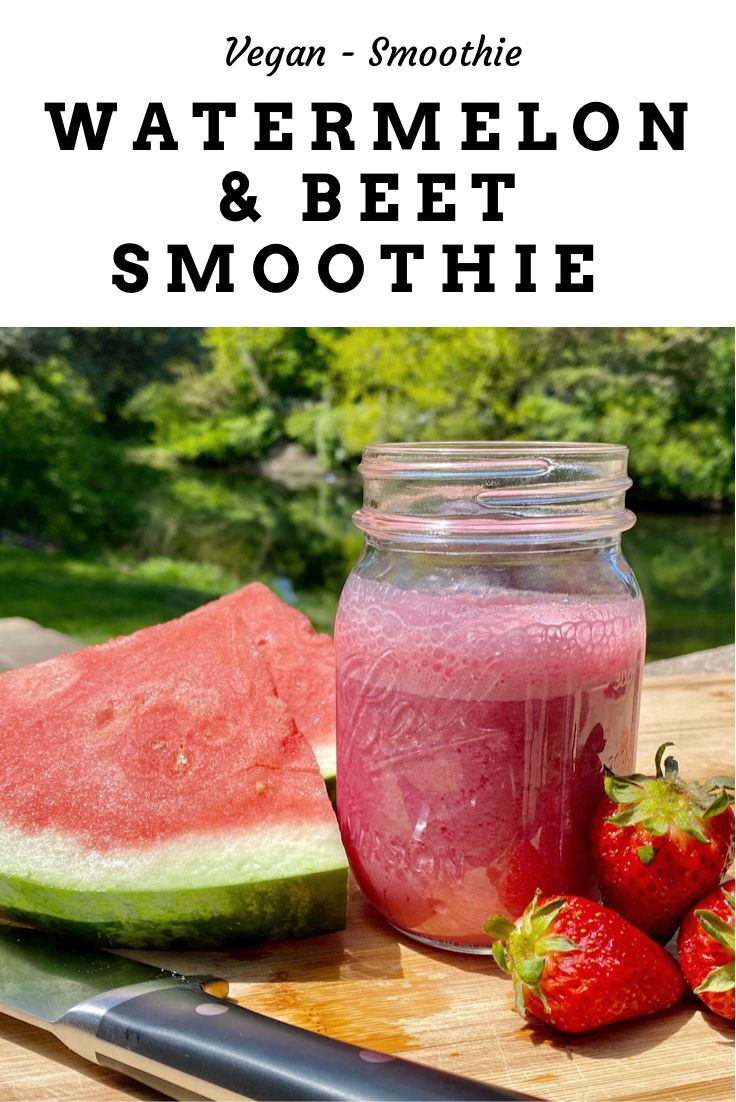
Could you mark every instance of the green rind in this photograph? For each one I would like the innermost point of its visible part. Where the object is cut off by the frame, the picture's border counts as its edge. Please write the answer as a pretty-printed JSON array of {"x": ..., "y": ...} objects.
[
  {"x": 325, "y": 754},
  {"x": 189, "y": 918}
]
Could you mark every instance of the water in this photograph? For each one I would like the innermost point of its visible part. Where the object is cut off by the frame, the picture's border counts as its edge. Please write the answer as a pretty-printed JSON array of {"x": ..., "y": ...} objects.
[
  {"x": 302, "y": 542},
  {"x": 684, "y": 564}
]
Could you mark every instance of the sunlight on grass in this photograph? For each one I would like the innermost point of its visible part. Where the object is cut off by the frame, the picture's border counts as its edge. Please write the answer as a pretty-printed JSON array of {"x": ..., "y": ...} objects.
[{"x": 94, "y": 600}]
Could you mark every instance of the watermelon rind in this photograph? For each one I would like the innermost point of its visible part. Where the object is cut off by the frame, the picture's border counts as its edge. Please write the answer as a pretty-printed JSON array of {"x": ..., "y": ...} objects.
[
  {"x": 199, "y": 918},
  {"x": 327, "y": 761},
  {"x": 102, "y": 897},
  {"x": 156, "y": 791}
]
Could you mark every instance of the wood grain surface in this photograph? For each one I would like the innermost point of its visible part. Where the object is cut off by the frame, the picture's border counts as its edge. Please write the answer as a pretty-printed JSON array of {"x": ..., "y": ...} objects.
[{"x": 373, "y": 988}]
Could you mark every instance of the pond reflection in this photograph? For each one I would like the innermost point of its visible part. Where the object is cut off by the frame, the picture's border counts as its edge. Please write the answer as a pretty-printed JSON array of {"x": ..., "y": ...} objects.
[{"x": 301, "y": 541}]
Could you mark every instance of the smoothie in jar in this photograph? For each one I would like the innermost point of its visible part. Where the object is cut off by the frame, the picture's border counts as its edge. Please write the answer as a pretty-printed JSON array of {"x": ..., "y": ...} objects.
[
  {"x": 489, "y": 647},
  {"x": 474, "y": 730}
]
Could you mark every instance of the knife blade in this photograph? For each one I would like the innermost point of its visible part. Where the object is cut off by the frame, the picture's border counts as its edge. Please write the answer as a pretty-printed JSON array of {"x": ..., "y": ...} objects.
[{"x": 180, "y": 1035}]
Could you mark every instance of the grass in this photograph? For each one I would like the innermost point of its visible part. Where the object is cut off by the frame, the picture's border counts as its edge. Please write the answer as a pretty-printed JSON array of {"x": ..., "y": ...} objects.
[{"x": 92, "y": 600}]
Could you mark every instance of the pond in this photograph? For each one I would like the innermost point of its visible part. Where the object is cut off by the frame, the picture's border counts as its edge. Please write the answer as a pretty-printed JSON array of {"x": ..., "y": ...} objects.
[{"x": 302, "y": 542}]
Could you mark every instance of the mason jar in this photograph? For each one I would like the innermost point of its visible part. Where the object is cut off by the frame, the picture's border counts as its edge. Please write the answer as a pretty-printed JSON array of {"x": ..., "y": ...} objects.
[{"x": 489, "y": 646}]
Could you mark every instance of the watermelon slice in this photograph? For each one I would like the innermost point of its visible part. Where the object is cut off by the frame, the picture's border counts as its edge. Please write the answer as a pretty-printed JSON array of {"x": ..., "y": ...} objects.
[
  {"x": 301, "y": 663},
  {"x": 156, "y": 792}
]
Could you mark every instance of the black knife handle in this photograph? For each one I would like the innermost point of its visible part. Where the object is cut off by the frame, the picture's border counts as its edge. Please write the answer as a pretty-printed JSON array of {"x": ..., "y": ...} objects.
[{"x": 246, "y": 1055}]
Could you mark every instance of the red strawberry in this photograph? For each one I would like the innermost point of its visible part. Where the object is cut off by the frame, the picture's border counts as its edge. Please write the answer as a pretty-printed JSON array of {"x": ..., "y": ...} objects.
[
  {"x": 579, "y": 966},
  {"x": 705, "y": 945},
  {"x": 659, "y": 844}
]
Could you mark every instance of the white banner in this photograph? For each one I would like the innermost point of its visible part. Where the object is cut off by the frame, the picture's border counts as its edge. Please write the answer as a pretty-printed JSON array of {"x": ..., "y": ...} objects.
[{"x": 568, "y": 218}]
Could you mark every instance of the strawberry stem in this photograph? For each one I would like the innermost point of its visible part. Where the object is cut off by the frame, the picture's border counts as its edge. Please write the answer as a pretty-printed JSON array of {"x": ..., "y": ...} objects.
[
  {"x": 671, "y": 769},
  {"x": 658, "y": 757}
]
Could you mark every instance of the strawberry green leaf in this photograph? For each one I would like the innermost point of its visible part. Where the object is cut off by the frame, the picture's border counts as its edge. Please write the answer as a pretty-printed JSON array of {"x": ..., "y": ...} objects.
[
  {"x": 542, "y": 997},
  {"x": 659, "y": 755},
  {"x": 657, "y": 822},
  {"x": 730, "y": 899},
  {"x": 633, "y": 778},
  {"x": 519, "y": 1001},
  {"x": 530, "y": 970},
  {"x": 646, "y": 854},
  {"x": 499, "y": 926},
  {"x": 499, "y": 955},
  {"x": 717, "y": 927},
  {"x": 719, "y": 804},
  {"x": 695, "y": 831},
  {"x": 621, "y": 791},
  {"x": 550, "y": 909},
  {"x": 544, "y": 916},
  {"x": 555, "y": 943},
  {"x": 526, "y": 918},
  {"x": 720, "y": 979},
  {"x": 719, "y": 782},
  {"x": 629, "y": 816}
]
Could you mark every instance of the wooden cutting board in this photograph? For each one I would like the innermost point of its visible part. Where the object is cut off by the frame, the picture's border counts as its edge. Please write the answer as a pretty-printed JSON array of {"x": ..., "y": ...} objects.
[{"x": 368, "y": 986}]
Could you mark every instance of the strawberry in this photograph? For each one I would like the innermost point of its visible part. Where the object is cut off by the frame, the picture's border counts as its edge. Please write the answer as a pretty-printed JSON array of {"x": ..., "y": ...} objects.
[
  {"x": 578, "y": 965},
  {"x": 659, "y": 844},
  {"x": 705, "y": 946}
]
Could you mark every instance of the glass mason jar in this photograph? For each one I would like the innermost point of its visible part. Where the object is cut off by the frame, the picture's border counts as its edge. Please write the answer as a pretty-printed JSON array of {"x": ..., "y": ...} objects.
[{"x": 489, "y": 646}]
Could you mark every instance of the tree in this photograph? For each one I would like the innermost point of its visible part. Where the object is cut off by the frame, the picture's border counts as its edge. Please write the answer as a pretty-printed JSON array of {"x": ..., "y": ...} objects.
[
  {"x": 61, "y": 479},
  {"x": 666, "y": 393},
  {"x": 413, "y": 384},
  {"x": 116, "y": 363},
  {"x": 233, "y": 406}
]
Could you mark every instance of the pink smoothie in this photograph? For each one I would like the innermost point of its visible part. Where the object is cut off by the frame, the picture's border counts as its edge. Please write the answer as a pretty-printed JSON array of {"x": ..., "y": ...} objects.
[{"x": 472, "y": 731}]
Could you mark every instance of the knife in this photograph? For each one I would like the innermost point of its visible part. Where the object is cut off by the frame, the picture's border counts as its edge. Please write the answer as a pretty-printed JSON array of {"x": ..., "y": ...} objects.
[{"x": 181, "y": 1036}]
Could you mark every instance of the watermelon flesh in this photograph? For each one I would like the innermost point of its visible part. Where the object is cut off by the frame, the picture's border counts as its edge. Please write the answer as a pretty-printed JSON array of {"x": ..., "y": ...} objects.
[
  {"x": 156, "y": 792},
  {"x": 301, "y": 663}
]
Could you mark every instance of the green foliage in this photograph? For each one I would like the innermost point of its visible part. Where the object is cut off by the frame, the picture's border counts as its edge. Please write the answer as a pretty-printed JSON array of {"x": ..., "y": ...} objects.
[
  {"x": 410, "y": 384},
  {"x": 666, "y": 393},
  {"x": 60, "y": 477},
  {"x": 232, "y": 407},
  {"x": 223, "y": 397},
  {"x": 116, "y": 363}
]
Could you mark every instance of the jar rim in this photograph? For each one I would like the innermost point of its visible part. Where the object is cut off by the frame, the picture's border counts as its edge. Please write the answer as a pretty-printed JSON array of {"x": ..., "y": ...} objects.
[
  {"x": 466, "y": 490},
  {"x": 436, "y": 455}
]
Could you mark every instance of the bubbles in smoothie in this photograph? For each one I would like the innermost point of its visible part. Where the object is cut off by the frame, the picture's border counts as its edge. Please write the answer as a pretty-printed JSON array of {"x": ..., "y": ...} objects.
[{"x": 497, "y": 642}]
